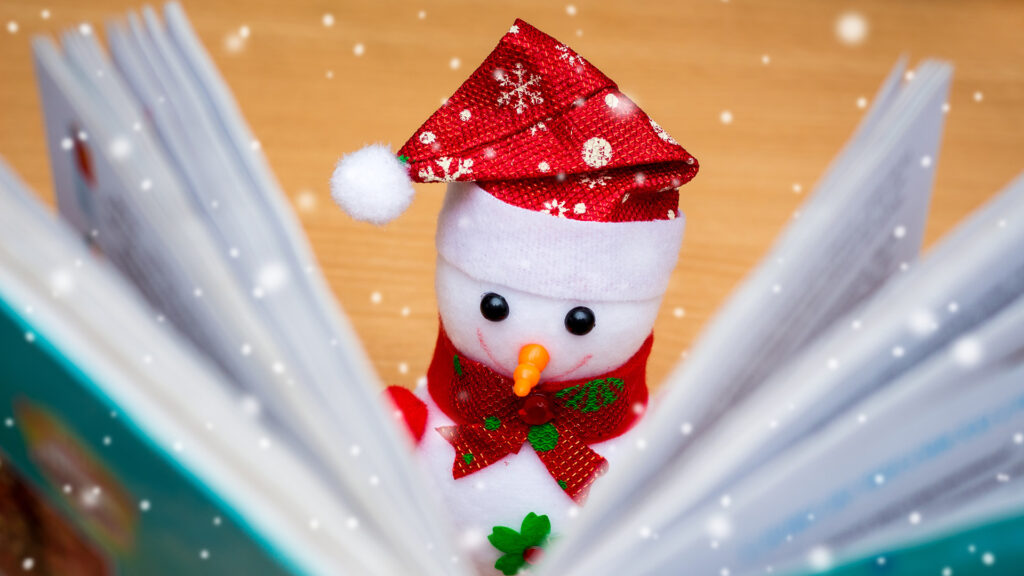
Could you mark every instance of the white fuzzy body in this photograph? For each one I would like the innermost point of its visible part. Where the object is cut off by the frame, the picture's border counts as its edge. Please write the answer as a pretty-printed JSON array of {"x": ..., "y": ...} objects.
[{"x": 499, "y": 495}]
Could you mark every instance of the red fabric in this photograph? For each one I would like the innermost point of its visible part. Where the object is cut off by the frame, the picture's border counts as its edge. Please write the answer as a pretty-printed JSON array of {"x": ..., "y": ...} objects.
[
  {"x": 584, "y": 412},
  {"x": 539, "y": 127},
  {"x": 412, "y": 410}
]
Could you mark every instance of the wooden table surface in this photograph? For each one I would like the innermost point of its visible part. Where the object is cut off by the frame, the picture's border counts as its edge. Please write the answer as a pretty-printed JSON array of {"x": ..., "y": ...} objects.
[{"x": 782, "y": 69}]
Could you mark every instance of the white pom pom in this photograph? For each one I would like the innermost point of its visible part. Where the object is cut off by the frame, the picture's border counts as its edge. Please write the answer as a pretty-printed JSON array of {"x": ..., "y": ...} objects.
[{"x": 372, "y": 185}]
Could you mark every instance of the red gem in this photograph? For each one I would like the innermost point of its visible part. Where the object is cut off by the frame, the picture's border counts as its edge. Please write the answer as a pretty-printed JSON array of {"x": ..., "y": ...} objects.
[
  {"x": 533, "y": 554},
  {"x": 536, "y": 410}
]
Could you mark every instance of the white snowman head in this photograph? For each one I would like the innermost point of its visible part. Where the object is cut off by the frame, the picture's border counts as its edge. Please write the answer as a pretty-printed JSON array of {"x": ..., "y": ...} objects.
[{"x": 491, "y": 323}]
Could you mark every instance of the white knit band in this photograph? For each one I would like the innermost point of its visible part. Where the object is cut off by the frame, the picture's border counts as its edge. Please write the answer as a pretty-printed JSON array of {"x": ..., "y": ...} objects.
[{"x": 556, "y": 257}]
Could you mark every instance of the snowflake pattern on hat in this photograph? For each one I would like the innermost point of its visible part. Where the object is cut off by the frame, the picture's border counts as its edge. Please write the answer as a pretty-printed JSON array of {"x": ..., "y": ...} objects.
[{"x": 551, "y": 133}]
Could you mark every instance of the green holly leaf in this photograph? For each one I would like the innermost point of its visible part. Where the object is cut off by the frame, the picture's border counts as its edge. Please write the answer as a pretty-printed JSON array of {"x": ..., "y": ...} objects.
[
  {"x": 593, "y": 395},
  {"x": 535, "y": 529},
  {"x": 507, "y": 540},
  {"x": 492, "y": 423},
  {"x": 403, "y": 159},
  {"x": 510, "y": 564},
  {"x": 543, "y": 437}
]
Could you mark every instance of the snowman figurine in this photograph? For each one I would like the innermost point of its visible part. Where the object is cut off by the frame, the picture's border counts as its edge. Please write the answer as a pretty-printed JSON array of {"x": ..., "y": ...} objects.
[{"x": 558, "y": 235}]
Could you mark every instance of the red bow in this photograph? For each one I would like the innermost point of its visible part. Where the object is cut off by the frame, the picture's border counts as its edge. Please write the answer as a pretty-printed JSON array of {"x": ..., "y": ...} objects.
[{"x": 559, "y": 419}]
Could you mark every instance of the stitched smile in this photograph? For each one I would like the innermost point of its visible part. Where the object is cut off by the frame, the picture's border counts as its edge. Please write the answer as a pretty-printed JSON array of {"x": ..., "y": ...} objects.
[
  {"x": 487, "y": 350},
  {"x": 560, "y": 377}
]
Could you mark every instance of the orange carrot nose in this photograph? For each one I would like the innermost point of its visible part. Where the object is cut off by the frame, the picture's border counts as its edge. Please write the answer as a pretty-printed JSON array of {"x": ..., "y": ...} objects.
[{"x": 532, "y": 360}]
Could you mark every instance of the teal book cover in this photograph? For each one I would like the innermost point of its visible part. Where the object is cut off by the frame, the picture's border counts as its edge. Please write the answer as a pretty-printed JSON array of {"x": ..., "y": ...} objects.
[{"x": 83, "y": 491}]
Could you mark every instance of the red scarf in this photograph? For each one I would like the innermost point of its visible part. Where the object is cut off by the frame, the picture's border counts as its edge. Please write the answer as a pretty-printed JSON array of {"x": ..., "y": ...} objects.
[{"x": 559, "y": 419}]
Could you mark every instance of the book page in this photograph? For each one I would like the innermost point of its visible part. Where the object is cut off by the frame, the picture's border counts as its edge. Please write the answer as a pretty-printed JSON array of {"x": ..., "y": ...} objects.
[
  {"x": 930, "y": 444},
  {"x": 168, "y": 263},
  {"x": 969, "y": 277},
  {"x": 317, "y": 395},
  {"x": 180, "y": 401},
  {"x": 285, "y": 287}
]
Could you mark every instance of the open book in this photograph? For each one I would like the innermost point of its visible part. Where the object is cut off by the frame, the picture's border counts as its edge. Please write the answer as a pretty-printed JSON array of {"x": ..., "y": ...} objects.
[{"x": 181, "y": 395}]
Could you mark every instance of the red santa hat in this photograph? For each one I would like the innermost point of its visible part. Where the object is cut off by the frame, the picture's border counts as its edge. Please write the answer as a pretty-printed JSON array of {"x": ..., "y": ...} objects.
[{"x": 561, "y": 185}]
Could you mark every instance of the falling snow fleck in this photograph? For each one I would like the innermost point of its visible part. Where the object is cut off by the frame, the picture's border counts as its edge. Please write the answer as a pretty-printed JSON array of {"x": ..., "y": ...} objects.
[
  {"x": 914, "y": 518},
  {"x": 454, "y": 63},
  {"x": 978, "y": 96},
  {"x": 422, "y": 14},
  {"x": 358, "y": 49},
  {"x": 45, "y": 14},
  {"x": 570, "y": 10},
  {"x": 375, "y": 297},
  {"x": 820, "y": 558},
  {"x": 328, "y": 20},
  {"x": 28, "y": 564},
  {"x": 766, "y": 59},
  {"x": 12, "y": 27},
  {"x": 679, "y": 312},
  {"x": 144, "y": 505},
  {"x": 725, "y": 117},
  {"x": 862, "y": 102},
  {"x": 204, "y": 554},
  {"x": 851, "y": 28},
  {"x": 967, "y": 351},
  {"x": 926, "y": 161}
]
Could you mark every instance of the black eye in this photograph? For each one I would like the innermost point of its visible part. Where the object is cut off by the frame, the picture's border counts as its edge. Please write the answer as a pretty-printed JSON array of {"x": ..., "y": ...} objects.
[
  {"x": 579, "y": 320},
  {"x": 494, "y": 307}
]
